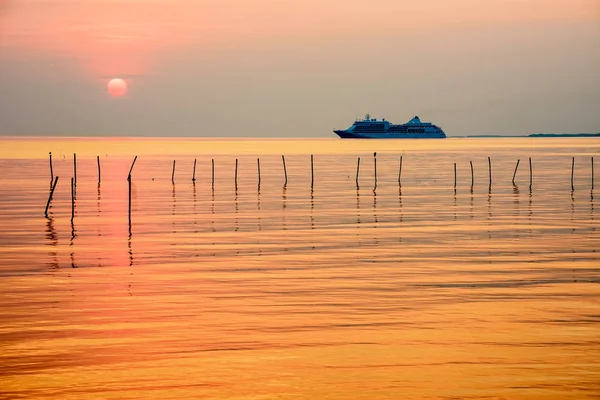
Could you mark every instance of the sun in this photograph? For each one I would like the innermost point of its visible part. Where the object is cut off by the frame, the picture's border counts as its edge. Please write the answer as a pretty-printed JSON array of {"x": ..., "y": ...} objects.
[{"x": 117, "y": 87}]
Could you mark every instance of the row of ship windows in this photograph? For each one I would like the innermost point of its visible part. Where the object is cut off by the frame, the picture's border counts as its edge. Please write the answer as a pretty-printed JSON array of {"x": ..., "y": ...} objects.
[
  {"x": 414, "y": 130},
  {"x": 382, "y": 129},
  {"x": 370, "y": 128}
]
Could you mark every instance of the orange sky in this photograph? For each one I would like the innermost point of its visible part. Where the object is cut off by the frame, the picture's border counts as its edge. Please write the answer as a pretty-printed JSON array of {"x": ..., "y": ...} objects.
[
  {"x": 123, "y": 36},
  {"x": 183, "y": 39}
]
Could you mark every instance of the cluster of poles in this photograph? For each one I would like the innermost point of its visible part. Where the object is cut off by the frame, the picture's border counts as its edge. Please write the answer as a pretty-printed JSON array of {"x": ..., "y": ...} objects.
[
  {"x": 54, "y": 180},
  {"x": 312, "y": 175}
]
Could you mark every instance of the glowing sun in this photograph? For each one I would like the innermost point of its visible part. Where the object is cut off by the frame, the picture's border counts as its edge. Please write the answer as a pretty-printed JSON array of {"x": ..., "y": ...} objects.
[{"x": 117, "y": 87}]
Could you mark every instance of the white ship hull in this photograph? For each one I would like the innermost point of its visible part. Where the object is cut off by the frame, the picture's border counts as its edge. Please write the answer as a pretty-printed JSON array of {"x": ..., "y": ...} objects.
[{"x": 372, "y": 128}]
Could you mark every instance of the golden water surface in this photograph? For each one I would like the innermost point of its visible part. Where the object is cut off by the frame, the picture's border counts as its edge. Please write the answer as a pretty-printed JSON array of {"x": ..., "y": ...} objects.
[{"x": 412, "y": 291}]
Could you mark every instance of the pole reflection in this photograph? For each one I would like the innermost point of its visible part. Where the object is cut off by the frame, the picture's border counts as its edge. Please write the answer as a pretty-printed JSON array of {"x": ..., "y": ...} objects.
[
  {"x": 130, "y": 233},
  {"x": 98, "y": 212},
  {"x": 129, "y": 247},
  {"x": 259, "y": 223},
  {"x": 212, "y": 212},
  {"x": 530, "y": 213},
  {"x": 592, "y": 215},
  {"x": 312, "y": 217},
  {"x": 358, "y": 221},
  {"x": 572, "y": 212},
  {"x": 72, "y": 242},
  {"x": 284, "y": 207},
  {"x": 194, "y": 211},
  {"x": 375, "y": 218},
  {"x": 454, "y": 204},
  {"x": 489, "y": 216},
  {"x": 517, "y": 204},
  {"x": 471, "y": 205},
  {"x": 212, "y": 219},
  {"x": 174, "y": 211},
  {"x": 236, "y": 208},
  {"x": 52, "y": 241},
  {"x": 237, "y": 223},
  {"x": 400, "y": 212}
]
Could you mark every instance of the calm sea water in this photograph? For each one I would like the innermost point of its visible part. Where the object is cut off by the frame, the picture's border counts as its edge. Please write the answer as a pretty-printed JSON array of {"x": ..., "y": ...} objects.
[{"x": 417, "y": 291}]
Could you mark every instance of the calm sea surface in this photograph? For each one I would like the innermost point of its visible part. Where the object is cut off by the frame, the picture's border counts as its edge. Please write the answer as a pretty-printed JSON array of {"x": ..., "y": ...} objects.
[{"x": 417, "y": 291}]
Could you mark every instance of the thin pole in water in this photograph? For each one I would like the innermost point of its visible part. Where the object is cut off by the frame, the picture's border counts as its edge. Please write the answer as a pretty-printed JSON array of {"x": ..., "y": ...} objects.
[
  {"x": 194, "y": 174},
  {"x": 573, "y": 174},
  {"x": 98, "y": 160},
  {"x": 400, "y": 172},
  {"x": 530, "y": 175},
  {"x": 236, "y": 169},
  {"x": 173, "y": 174},
  {"x": 515, "y": 173},
  {"x": 50, "y": 197},
  {"x": 212, "y": 175},
  {"x": 454, "y": 175},
  {"x": 258, "y": 165},
  {"x": 74, "y": 169},
  {"x": 312, "y": 175},
  {"x": 490, "y": 169},
  {"x": 51, "y": 170},
  {"x": 284, "y": 171},
  {"x": 375, "y": 169},
  {"x": 133, "y": 163},
  {"x": 357, "y": 171},
  {"x": 472, "y": 175}
]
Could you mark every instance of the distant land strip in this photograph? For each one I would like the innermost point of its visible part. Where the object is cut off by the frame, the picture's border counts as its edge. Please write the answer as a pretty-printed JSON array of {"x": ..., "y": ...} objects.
[
  {"x": 534, "y": 135},
  {"x": 564, "y": 134}
]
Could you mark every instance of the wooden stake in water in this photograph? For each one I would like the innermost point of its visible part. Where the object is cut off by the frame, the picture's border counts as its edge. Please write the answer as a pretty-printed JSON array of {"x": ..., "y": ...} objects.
[
  {"x": 194, "y": 174},
  {"x": 400, "y": 172},
  {"x": 312, "y": 175},
  {"x": 472, "y": 175},
  {"x": 454, "y": 175},
  {"x": 98, "y": 160},
  {"x": 72, "y": 199},
  {"x": 51, "y": 170},
  {"x": 236, "y": 169},
  {"x": 74, "y": 169},
  {"x": 530, "y": 175},
  {"x": 357, "y": 171},
  {"x": 490, "y": 169},
  {"x": 375, "y": 170},
  {"x": 212, "y": 175},
  {"x": 572, "y": 174},
  {"x": 133, "y": 163},
  {"x": 173, "y": 174},
  {"x": 284, "y": 171},
  {"x": 258, "y": 165},
  {"x": 50, "y": 197},
  {"x": 515, "y": 173}
]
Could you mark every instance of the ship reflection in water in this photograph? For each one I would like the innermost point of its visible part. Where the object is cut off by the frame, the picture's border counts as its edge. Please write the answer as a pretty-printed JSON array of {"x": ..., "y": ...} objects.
[{"x": 416, "y": 291}]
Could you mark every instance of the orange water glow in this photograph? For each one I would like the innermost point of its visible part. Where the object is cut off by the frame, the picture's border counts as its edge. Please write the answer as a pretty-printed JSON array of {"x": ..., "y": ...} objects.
[{"x": 413, "y": 291}]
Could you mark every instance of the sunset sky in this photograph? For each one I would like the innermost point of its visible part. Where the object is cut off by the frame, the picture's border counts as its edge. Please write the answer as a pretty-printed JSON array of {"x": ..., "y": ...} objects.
[{"x": 284, "y": 68}]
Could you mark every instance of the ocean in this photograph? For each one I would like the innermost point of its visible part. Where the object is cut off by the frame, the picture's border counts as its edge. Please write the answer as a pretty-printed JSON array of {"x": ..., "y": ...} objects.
[{"x": 166, "y": 288}]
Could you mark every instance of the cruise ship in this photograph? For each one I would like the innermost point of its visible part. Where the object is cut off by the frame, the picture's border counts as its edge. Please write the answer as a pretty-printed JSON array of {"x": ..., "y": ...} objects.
[{"x": 372, "y": 128}]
